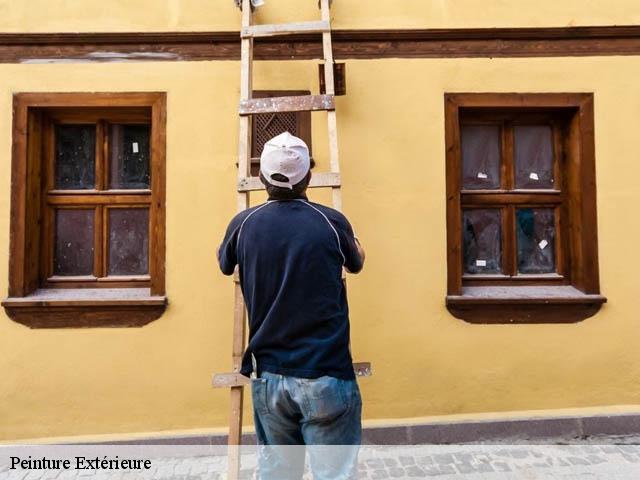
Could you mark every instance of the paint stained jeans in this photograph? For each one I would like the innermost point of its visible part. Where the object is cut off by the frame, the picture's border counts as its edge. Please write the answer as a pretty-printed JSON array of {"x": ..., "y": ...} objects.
[{"x": 322, "y": 413}]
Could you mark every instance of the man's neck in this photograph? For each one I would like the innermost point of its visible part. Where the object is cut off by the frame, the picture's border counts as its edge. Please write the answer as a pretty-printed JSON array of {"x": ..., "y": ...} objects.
[{"x": 299, "y": 197}]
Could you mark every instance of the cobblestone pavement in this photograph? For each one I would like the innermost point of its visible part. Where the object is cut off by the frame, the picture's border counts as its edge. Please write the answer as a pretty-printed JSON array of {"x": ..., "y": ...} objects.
[{"x": 442, "y": 462}]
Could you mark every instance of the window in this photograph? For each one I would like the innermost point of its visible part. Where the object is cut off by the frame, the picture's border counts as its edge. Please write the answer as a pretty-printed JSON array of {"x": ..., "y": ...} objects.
[
  {"x": 87, "y": 225},
  {"x": 521, "y": 207},
  {"x": 265, "y": 126}
]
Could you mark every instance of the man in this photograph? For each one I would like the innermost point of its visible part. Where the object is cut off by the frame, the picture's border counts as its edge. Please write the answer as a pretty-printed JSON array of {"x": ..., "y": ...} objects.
[{"x": 290, "y": 254}]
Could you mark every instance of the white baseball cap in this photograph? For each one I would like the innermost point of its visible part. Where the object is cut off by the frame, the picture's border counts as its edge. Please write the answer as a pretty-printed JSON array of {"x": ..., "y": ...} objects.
[{"x": 286, "y": 155}]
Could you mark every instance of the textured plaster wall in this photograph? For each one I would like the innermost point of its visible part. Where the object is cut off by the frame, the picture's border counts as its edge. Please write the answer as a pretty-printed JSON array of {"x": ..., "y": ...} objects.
[
  {"x": 90, "y": 381},
  {"x": 194, "y": 15}
]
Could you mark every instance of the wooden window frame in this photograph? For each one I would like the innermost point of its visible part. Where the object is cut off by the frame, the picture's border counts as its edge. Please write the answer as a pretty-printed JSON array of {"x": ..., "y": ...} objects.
[
  {"x": 37, "y": 299},
  {"x": 572, "y": 294}
]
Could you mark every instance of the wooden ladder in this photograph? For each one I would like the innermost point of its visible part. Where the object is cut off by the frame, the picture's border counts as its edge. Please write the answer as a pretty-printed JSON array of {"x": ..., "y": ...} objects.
[{"x": 246, "y": 183}]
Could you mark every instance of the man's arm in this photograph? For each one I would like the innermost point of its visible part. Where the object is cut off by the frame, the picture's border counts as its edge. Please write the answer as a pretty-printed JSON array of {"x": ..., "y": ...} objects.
[
  {"x": 361, "y": 254},
  {"x": 226, "y": 252}
]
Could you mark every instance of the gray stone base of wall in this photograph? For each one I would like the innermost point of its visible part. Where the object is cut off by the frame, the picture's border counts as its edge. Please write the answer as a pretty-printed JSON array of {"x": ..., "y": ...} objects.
[{"x": 527, "y": 430}]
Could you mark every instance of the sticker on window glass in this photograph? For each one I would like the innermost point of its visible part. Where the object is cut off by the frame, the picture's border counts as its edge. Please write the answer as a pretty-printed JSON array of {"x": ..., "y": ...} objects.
[
  {"x": 543, "y": 244},
  {"x": 534, "y": 176},
  {"x": 482, "y": 175},
  {"x": 481, "y": 263},
  {"x": 135, "y": 147}
]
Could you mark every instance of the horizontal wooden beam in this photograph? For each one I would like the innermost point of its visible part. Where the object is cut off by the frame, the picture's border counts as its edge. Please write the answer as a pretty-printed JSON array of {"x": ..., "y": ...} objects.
[
  {"x": 298, "y": 103},
  {"x": 376, "y": 43},
  {"x": 227, "y": 380},
  {"x": 271, "y": 30}
]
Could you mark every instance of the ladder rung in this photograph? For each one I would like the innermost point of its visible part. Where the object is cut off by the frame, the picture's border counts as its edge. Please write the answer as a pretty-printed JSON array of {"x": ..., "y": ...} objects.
[
  {"x": 298, "y": 103},
  {"x": 318, "y": 180},
  {"x": 362, "y": 369},
  {"x": 227, "y": 380},
  {"x": 285, "y": 29}
]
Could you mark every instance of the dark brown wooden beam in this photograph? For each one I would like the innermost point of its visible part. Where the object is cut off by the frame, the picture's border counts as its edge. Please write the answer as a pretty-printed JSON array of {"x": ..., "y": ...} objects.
[{"x": 431, "y": 43}]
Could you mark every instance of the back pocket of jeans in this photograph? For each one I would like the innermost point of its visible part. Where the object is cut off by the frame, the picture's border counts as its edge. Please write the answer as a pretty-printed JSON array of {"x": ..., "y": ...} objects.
[
  {"x": 326, "y": 397},
  {"x": 259, "y": 395}
]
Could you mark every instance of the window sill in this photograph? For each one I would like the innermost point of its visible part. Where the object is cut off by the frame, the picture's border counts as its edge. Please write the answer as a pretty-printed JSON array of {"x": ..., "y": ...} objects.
[
  {"x": 523, "y": 304},
  {"x": 87, "y": 307}
]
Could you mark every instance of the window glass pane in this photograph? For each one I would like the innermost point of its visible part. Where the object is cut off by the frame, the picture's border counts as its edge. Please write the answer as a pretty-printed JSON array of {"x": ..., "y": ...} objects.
[
  {"x": 75, "y": 156},
  {"x": 130, "y": 153},
  {"x": 534, "y": 156},
  {"x": 73, "y": 253},
  {"x": 128, "y": 241},
  {"x": 482, "y": 236},
  {"x": 480, "y": 156},
  {"x": 536, "y": 235}
]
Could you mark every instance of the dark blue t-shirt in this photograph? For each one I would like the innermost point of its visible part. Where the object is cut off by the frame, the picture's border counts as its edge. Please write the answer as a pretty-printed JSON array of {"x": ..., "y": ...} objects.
[{"x": 290, "y": 255}]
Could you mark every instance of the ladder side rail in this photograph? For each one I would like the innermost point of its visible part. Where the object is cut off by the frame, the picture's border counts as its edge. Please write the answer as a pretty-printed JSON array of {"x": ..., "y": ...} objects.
[
  {"x": 239, "y": 317},
  {"x": 332, "y": 126}
]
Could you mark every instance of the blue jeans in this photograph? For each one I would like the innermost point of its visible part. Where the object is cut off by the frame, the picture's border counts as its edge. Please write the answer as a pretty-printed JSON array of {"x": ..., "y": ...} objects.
[{"x": 323, "y": 413}]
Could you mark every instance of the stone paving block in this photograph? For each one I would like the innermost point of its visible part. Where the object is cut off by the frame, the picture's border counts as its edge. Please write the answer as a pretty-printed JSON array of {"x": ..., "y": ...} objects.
[
  {"x": 424, "y": 460},
  {"x": 500, "y": 466},
  {"x": 375, "y": 463},
  {"x": 49, "y": 474},
  {"x": 589, "y": 448},
  {"x": 577, "y": 461},
  {"x": 390, "y": 462},
  {"x": 503, "y": 453},
  {"x": 447, "y": 469},
  {"x": 465, "y": 467},
  {"x": 17, "y": 475},
  {"x": 432, "y": 471},
  {"x": 182, "y": 468},
  {"x": 443, "y": 458},
  {"x": 404, "y": 460},
  {"x": 396, "y": 472},
  {"x": 415, "y": 471},
  {"x": 106, "y": 476},
  {"x": 463, "y": 457},
  {"x": 379, "y": 474},
  {"x": 198, "y": 468},
  {"x": 518, "y": 453},
  {"x": 484, "y": 467},
  {"x": 86, "y": 473},
  {"x": 630, "y": 458},
  {"x": 130, "y": 475},
  {"x": 629, "y": 448},
  {"x": 609, "y": 449},
  {"x": 595, "y": 459}
]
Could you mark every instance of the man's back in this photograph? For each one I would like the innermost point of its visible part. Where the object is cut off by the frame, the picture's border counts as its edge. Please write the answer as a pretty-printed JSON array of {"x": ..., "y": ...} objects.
[{"x": 290, "y": 255}]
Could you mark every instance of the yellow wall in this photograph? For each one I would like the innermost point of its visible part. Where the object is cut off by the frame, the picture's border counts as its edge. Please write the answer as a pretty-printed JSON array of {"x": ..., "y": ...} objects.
[
  {"x": 195, "y": 15},
  {"x": 91, "y": 381}
]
